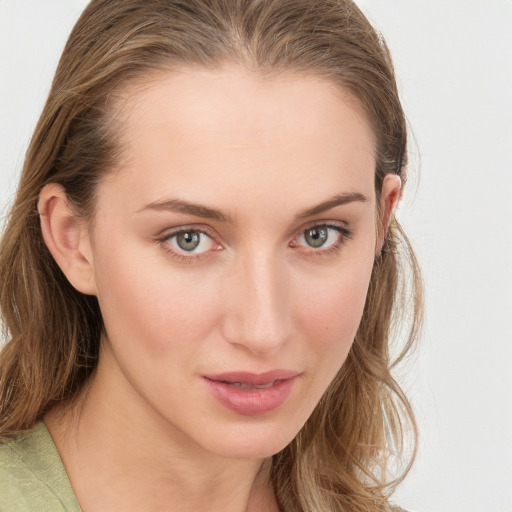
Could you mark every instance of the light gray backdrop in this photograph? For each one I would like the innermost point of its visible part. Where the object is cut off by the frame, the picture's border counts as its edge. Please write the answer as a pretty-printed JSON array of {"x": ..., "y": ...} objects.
[{"x": 454, "y": 65}]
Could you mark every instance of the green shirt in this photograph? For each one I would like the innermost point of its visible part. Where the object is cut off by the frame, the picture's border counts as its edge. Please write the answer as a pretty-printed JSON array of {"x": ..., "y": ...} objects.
[{"x": 32, "y": 476}]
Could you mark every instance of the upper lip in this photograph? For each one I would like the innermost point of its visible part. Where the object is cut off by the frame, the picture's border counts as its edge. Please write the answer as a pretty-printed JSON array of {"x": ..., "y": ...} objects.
[{"x": 253, "y": 379}]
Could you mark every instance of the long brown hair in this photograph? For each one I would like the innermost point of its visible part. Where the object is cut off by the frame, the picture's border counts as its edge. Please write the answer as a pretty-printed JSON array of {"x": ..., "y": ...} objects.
[{"x": 340, "y": 459}]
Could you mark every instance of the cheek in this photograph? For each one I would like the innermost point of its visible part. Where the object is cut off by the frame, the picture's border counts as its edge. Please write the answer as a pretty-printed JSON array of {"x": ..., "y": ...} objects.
[
  {"x": 331, "y": 313},
  {"x": 145, "y": 301}
]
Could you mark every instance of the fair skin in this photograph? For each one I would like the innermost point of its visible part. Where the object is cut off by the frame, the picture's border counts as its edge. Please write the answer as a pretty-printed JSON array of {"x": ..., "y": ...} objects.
[{"x": 267, "y": 270}]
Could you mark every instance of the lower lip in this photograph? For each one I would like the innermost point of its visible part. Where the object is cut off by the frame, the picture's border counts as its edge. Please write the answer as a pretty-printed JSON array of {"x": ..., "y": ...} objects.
[{"x": 251, "y": 401}]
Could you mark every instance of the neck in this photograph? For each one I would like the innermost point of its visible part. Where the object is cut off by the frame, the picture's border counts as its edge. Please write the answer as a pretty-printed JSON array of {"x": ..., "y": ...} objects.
[{"x": 118, "y": 460}]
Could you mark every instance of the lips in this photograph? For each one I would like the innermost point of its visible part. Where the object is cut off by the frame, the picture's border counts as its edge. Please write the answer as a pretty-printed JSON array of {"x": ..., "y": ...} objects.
[{"x": 252, "y": 394}]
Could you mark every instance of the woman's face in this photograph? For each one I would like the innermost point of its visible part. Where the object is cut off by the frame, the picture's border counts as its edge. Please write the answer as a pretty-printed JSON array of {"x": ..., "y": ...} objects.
[{"x": 231, "y": 253}]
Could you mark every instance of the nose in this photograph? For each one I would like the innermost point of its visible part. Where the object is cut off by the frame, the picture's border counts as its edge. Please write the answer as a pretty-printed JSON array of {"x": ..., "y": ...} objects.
[{"x": 258, "y": 310}]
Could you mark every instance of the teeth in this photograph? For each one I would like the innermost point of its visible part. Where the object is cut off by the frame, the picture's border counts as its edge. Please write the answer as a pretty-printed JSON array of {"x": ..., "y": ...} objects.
[{"x": 243, "y": 385}]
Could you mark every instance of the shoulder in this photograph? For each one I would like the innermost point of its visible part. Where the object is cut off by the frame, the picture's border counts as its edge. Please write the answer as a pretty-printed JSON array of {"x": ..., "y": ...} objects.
[{"x": 32, "y": 476}]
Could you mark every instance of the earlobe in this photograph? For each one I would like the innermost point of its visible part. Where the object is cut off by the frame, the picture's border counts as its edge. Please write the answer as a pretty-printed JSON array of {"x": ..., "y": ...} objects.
[
  {"x": 66, "y": 237},
  {"x": 391, "y": 188}
]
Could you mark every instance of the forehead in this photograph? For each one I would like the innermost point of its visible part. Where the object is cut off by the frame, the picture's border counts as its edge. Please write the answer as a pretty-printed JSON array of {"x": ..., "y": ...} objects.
[{"x": 292, "y": 132}]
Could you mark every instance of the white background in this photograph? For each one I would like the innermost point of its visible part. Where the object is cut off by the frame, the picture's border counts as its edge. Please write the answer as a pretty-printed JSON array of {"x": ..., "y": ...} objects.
[{"x": 454, "y": 66}]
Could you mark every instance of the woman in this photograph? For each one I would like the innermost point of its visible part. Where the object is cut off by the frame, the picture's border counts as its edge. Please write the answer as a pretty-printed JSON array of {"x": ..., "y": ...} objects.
[{"x": 201, "y": 268}]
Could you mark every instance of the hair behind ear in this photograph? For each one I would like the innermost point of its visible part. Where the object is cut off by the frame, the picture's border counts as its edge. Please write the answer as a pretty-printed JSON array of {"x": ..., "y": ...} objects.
[{"x": 54, "y": 329}]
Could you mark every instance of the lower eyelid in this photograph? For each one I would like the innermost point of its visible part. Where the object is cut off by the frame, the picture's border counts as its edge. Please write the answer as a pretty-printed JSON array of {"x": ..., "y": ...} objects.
[{"x": 183, "y": 256}]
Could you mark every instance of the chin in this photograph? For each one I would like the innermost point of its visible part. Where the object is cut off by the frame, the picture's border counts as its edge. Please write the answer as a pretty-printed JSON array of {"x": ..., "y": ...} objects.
[{"x": 252, "y": 441}]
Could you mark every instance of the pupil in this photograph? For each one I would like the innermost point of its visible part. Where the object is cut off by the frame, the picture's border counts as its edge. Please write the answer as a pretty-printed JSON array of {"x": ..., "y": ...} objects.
[
  {"x": 188, "y": 241},
  {"x": 316, "y": 237}
]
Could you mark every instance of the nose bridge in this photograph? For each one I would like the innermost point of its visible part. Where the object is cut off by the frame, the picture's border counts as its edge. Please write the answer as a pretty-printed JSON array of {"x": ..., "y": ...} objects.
[{"x": 259, "y": 313}]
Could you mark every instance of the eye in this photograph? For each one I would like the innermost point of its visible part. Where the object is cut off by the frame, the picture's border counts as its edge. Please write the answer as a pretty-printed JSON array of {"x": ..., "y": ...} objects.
[
  {"x": 191, "y": 241},
  {"x": 323, "y": 236}
]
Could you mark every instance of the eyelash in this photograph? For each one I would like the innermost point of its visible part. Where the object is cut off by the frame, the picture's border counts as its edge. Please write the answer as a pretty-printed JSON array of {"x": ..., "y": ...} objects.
[{"x": 344, "y": 232}]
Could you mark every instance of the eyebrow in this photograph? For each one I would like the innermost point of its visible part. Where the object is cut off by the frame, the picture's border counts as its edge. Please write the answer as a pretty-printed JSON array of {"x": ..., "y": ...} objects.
[
  {"x": 179, "y": 206},
  {"x": 205, "y": 212},
  {"x": 337, "y": 200}
]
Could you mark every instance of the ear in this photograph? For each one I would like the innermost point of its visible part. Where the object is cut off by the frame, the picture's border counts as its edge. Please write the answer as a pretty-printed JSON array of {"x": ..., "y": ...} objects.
[
  {"x": 67, "y": 237},
  {"x": 391, "y": 188}
]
